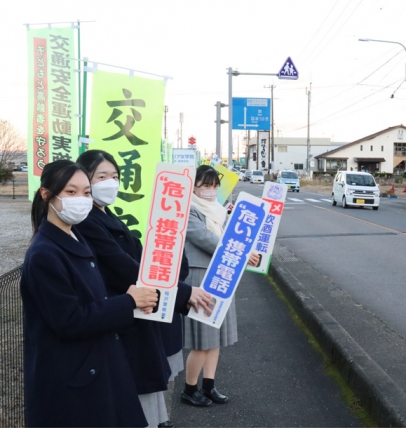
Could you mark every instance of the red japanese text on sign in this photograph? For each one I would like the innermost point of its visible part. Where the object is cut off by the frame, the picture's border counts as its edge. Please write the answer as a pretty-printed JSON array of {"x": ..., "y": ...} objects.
[{"x": 40, "y": 117}]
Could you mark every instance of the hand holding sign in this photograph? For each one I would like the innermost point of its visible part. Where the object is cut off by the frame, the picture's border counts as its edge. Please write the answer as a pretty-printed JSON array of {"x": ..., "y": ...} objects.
[
  {"x": 145, "y": 298},
  {"x": 200, "y": 298}
]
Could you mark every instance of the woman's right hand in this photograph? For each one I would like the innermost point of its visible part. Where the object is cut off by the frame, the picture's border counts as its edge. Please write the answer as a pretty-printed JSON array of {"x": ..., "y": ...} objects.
[{"x": 145, "y": 297}]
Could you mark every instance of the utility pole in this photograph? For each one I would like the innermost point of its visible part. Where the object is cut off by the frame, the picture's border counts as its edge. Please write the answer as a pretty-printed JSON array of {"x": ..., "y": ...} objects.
[
  {"x": 247, "y": 157},
  {"x": 308, "y": 93},
  {"x": 271, "y": 152}
]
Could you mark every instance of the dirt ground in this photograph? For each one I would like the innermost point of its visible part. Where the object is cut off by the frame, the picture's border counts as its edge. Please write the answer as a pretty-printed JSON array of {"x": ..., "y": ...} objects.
[{"x": 15, "y": 232}]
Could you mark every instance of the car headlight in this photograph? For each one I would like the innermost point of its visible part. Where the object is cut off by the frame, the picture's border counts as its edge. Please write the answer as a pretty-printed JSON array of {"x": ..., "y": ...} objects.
[
  {"x": 349, "y": 191},
  {"x": 377, "y": 193}
]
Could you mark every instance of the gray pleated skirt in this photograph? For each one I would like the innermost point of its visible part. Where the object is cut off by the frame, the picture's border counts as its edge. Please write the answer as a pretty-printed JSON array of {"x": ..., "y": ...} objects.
[
  {"x": 176, "y": 364},
  {"x": 154, "y": 408},
  {"x": 201, "y": 336}
]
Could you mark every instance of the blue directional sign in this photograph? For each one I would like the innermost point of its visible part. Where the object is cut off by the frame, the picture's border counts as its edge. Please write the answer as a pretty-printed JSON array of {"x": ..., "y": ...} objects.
[
  {"x": 252, "y": 113},
  {"x": 288, "y": 71}
]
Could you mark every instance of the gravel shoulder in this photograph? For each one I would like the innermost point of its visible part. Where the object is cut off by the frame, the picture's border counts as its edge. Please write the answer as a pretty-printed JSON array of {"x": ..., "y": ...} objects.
[{"x": 15, "y": 232}]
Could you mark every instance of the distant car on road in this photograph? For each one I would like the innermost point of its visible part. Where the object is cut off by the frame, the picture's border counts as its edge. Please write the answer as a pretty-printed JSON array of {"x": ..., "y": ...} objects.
[
  {"x": 24, "y": 168},
  {"x": 358, "y": 189},
  {"x": 247, "y": 175},
  {"x": 290, "y": 178},
  {"x": 257, "y": 176},
  {"x": 241, "y": 174}
]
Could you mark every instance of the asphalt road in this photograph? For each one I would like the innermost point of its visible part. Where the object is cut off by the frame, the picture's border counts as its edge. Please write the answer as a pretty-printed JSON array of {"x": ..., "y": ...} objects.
[{"x": 360, "y": 250}]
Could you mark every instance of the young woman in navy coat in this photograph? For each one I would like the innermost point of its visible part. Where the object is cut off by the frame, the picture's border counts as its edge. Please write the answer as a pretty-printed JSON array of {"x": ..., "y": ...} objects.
[
  {"x": 75, "y": 368},
  {"x": 119, "y": 253}
]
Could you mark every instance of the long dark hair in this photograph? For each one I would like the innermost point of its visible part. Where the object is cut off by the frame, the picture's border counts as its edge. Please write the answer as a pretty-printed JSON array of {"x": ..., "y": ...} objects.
[
  {"x": 54, "y": 178},
  {"x": 91, "y": 159},
  {"x": 206, "y": 174}
]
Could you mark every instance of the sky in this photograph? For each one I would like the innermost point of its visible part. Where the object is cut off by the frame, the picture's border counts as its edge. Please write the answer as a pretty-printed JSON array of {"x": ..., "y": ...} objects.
[{"x": 351, "y": 83}]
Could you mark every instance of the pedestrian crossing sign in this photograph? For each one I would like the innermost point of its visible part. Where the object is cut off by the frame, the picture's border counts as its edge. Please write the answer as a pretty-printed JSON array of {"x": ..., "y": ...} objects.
[{"x": 288, "y": 71}]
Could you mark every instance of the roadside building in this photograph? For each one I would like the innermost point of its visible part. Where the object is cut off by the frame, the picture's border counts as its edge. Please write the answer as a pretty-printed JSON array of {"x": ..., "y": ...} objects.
[
  {"x": 384, "y": 151},
  {"x": 289, "y": 153}
]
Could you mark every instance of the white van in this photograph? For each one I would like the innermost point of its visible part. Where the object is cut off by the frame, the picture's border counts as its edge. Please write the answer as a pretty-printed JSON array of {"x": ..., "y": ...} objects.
[
  {"x": 257, "y": 176},
  {"x": 353, "y": 188}
]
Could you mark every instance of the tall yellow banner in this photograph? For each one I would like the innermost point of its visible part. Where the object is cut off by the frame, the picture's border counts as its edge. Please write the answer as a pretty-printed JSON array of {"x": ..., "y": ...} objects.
[{"x": 126, "y": 121}]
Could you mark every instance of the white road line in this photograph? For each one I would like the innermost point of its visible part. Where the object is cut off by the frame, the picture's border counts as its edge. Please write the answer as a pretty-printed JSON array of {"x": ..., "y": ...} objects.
[
  {"x": 312, "y": 200},
  {"x": 327, "y": 200},
  {"x": 295, "y": 200}
]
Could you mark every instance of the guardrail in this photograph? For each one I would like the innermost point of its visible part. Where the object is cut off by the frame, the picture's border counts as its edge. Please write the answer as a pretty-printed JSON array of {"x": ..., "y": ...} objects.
[{"x": 11, "y": 351}]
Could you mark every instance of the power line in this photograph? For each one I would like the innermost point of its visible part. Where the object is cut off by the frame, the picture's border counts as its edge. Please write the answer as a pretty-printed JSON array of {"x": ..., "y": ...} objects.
[{"x": 324, "y": 119}]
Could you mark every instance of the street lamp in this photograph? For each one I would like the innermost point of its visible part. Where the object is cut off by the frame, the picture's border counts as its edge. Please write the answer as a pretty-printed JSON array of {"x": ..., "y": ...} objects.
[{"x": 384, "y": 41}]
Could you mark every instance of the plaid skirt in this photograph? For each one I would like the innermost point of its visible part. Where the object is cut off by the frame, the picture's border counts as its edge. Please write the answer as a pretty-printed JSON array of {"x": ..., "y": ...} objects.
[
  {"x": 201, "y": 336},
  {"x": 154, "y": 408},
  {"x": 176, "y": 364}
]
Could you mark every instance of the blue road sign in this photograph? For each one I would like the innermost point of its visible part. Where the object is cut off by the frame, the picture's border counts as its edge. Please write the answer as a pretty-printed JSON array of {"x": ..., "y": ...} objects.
[
  {"x": 288, "y": 71},
  {"x": 252, "y": 113}
]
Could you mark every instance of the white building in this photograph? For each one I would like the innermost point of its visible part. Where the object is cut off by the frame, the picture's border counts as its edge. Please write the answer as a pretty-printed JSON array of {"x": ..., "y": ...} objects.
[
  {"x": 289, "y": 153},
  {"x": 384, "y": 151}
]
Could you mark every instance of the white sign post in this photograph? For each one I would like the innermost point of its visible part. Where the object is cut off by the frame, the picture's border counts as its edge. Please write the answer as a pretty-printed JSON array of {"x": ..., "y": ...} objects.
[
  {"x": 275, "y": 195},
  {"x": 186, "y": 157},
  {"x": 231, "y": 256},
  {"x": 165, "y": 237}
]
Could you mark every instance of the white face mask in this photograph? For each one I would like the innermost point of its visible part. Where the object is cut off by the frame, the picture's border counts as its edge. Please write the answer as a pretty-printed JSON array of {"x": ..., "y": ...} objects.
[
  {"x": 209, "y": 194},
  {"x": 74, "y": 209},
  {"x": 105, "y": 192}
]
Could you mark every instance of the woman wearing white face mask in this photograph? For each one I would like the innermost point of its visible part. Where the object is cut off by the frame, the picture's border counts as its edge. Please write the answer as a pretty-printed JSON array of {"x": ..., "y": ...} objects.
[
  {"x": 75, "y": 367},
  {"x": 205, "y": 227},
  {"x": 119, "y": 254}
]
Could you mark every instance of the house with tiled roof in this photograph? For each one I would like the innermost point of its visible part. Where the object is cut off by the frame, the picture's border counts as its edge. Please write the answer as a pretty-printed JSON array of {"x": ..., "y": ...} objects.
[{"x": 384, "y": 151}]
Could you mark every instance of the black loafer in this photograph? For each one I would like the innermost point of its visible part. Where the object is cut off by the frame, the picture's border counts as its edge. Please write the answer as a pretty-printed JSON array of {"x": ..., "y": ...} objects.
[
  {"x": 197, "y": 399},
  {"x": 215, "y": 396},
  {"x": 167, "y": 424}
]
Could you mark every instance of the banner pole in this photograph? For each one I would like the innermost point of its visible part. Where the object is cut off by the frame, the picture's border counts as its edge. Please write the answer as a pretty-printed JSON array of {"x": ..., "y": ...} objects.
[
  {"x": 82, "y": 148},
  {"x": 79, "y": 84}
]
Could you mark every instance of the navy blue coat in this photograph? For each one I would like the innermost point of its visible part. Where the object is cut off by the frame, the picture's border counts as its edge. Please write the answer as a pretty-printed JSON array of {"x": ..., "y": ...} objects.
[
  {"x": 75, "y": 368},
  {"x": 118, "y": 253}
]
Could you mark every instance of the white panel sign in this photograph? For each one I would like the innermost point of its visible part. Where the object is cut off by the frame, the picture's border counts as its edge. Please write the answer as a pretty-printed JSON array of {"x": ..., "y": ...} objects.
[
  {"x": 165, "y": 237},
  {"x": 231, "y": 256}
]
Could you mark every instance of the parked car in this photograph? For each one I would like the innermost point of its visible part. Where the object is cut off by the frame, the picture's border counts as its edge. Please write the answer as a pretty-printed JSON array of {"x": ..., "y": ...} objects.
[
  {"x": 241, "y": 174},
  {"x": 24, "y": 168},
  {"x": 290, "y": 178},
  {"x": 357, "y": 189},
  {"x": 257, "y": 176},
  {"x": 247, "y": 175}
]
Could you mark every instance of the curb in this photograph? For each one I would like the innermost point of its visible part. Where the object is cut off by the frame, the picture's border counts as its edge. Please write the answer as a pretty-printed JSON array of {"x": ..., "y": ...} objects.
[{"x": 379, "y": 395}]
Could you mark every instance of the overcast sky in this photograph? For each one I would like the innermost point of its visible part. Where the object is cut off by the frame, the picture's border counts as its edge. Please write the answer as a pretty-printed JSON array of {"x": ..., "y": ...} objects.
[{"x": 195, "y": 41}]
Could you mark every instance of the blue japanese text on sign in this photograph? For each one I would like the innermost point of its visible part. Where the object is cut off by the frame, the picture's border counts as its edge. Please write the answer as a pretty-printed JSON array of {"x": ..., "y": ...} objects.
[{"x": 236, "y": 245}]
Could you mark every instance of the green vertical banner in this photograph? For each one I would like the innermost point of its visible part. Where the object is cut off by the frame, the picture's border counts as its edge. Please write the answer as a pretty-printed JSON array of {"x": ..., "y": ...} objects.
[
  {"x": 52, "y": 122},
  {"x": 126, "y": 121}
]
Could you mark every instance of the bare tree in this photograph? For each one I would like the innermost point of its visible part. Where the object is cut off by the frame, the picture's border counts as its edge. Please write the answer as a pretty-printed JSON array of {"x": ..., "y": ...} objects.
[
  {"x": 12, "y": 144},
  {"x": 12, "y": 147}
]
